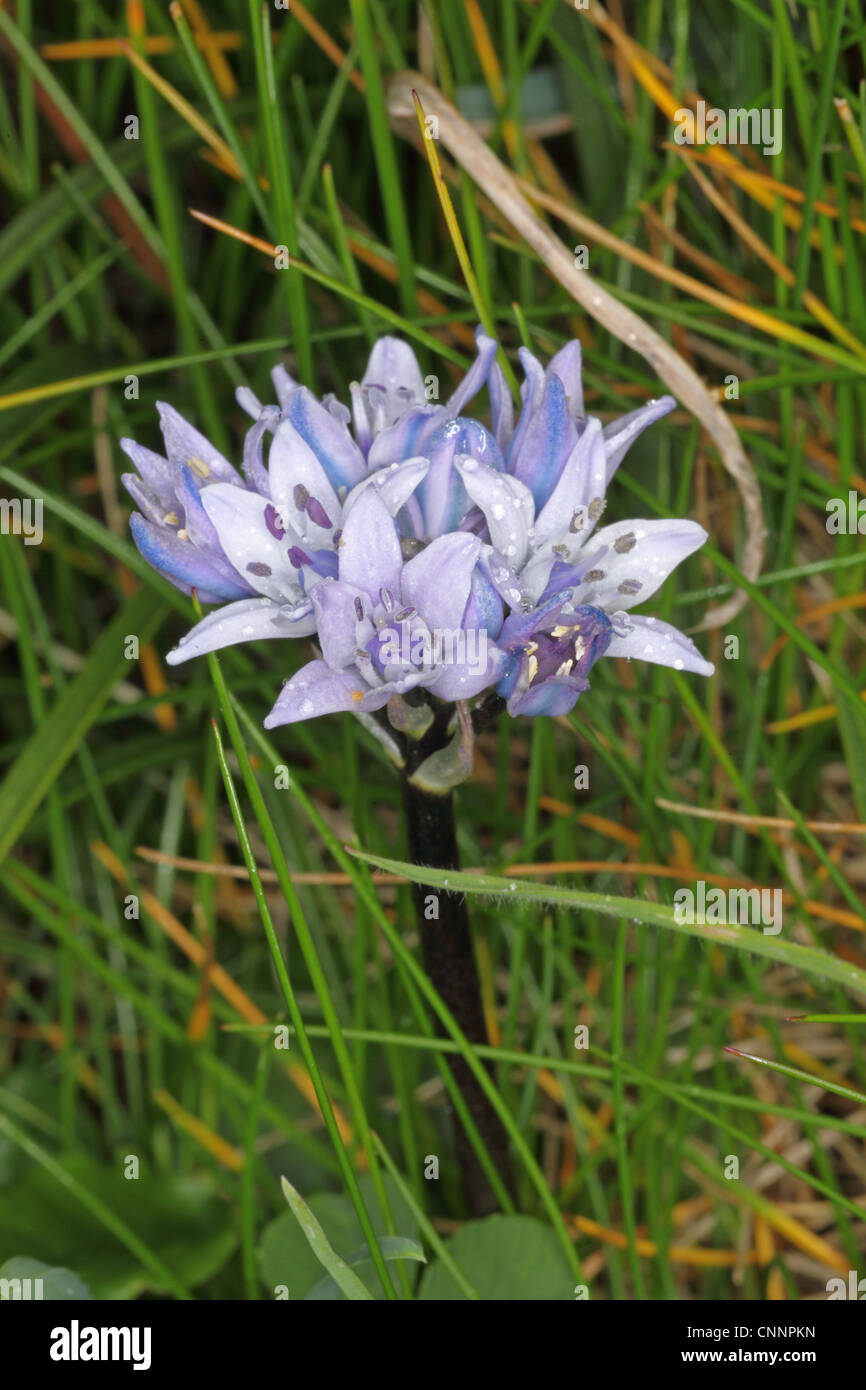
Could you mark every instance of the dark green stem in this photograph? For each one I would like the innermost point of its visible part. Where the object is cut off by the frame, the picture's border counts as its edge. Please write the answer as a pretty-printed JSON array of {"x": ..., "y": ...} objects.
[{"x": 446, "y": 945}]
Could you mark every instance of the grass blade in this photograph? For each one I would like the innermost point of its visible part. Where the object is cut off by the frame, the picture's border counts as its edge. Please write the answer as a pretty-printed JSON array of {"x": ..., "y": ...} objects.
[{"x": 324, "y": 1253}]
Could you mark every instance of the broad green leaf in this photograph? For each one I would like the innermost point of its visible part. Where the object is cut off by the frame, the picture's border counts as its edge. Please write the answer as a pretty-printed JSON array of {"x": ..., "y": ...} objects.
[
  {"x": 57, "y": 1284},
  {"x": 181, "y": 1219},
  {"x": 285, "y": 1258},
  {"x": 506, "y": 1258}
]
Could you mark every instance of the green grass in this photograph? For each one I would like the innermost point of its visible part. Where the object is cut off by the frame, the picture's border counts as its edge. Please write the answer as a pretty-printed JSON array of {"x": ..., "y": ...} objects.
[{"x": 108, "y": 280}]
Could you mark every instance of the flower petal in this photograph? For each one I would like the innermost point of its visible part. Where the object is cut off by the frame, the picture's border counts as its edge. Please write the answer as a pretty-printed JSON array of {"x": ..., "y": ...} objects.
[
  {"x": 361, "y": 418},
  {"x": 519, "y": 626},
  {"x": 369, "y": 550},
  {"x": 184, "y": 444},
  {"x": 408, "y": 437},
  {"x": 258, "y": 555},
  {"x": 203, "y": 533},
  {"x": 395, "y": 484},
  {"x": 182, "y": 562},
  {"x": 507, "y": 505},
  {"x": 568, "y": 366},
  {"x": 394, "y": 367},
  {"x": 156, "y": 472},
  {"x": 484, "y": 608},
  {"x": 531, "y": 393},
  {"x": 442, "y": 496},
  {"x": 621, "y": 433},
  {"x": 476, "y": 376},
  {"x": 464, "y": 680},
  {"x": 330, "y": 441},
  {"x": 314, "y": 690},
  {"x": 649, "y": 639},
  {"x": 336, "y": 621},
  {"x": 378, "y": 698},
  {"x": 299, "y": 481},
  {"x": 147, "y": 502},
  {"x": 248, "y": 401},
  {"x": 254, "y": 469},
  {"x": 503, "y": 578},
  {"x": 547, "y": 575},
  {"x": 583, "y": 479},
  {"x": 341, "y": 413},
  {"x": 284, "y": 385},
  {"x": 501, "y": 406},
  {"x": 640, "y": 556},
  {"x": 557, "y": 695},
  {"x": 546, "y": 443},
  {"x": 250, "y": 620},
  {"x": 437, "y": 581}
]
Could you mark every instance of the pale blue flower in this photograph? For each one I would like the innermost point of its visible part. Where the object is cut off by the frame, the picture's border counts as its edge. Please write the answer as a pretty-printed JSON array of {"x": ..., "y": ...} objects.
[{"x": 345, "y": 523}]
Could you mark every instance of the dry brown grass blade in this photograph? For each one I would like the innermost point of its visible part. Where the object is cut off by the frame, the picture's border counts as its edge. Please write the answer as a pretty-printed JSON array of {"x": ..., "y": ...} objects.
[
  {"x": 821, "y": 827},
  {"x": 750, "y": 237},
  {"x": 737, "y": 308},
  {"x": 749, "y": 179},
  {"x": 323, "y": 39},
  {"x": 726, "y": 279},
  {"x": 213, "y": 54},
  {"x": 503, "y": 189}
]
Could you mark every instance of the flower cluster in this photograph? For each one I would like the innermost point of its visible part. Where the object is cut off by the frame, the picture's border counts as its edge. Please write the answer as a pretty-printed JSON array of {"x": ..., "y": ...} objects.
[{"x": 425, "y": 551}]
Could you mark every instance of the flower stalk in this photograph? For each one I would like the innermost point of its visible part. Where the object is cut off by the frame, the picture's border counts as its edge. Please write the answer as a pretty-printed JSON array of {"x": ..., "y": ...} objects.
[{"x": 449, "y": 959}]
